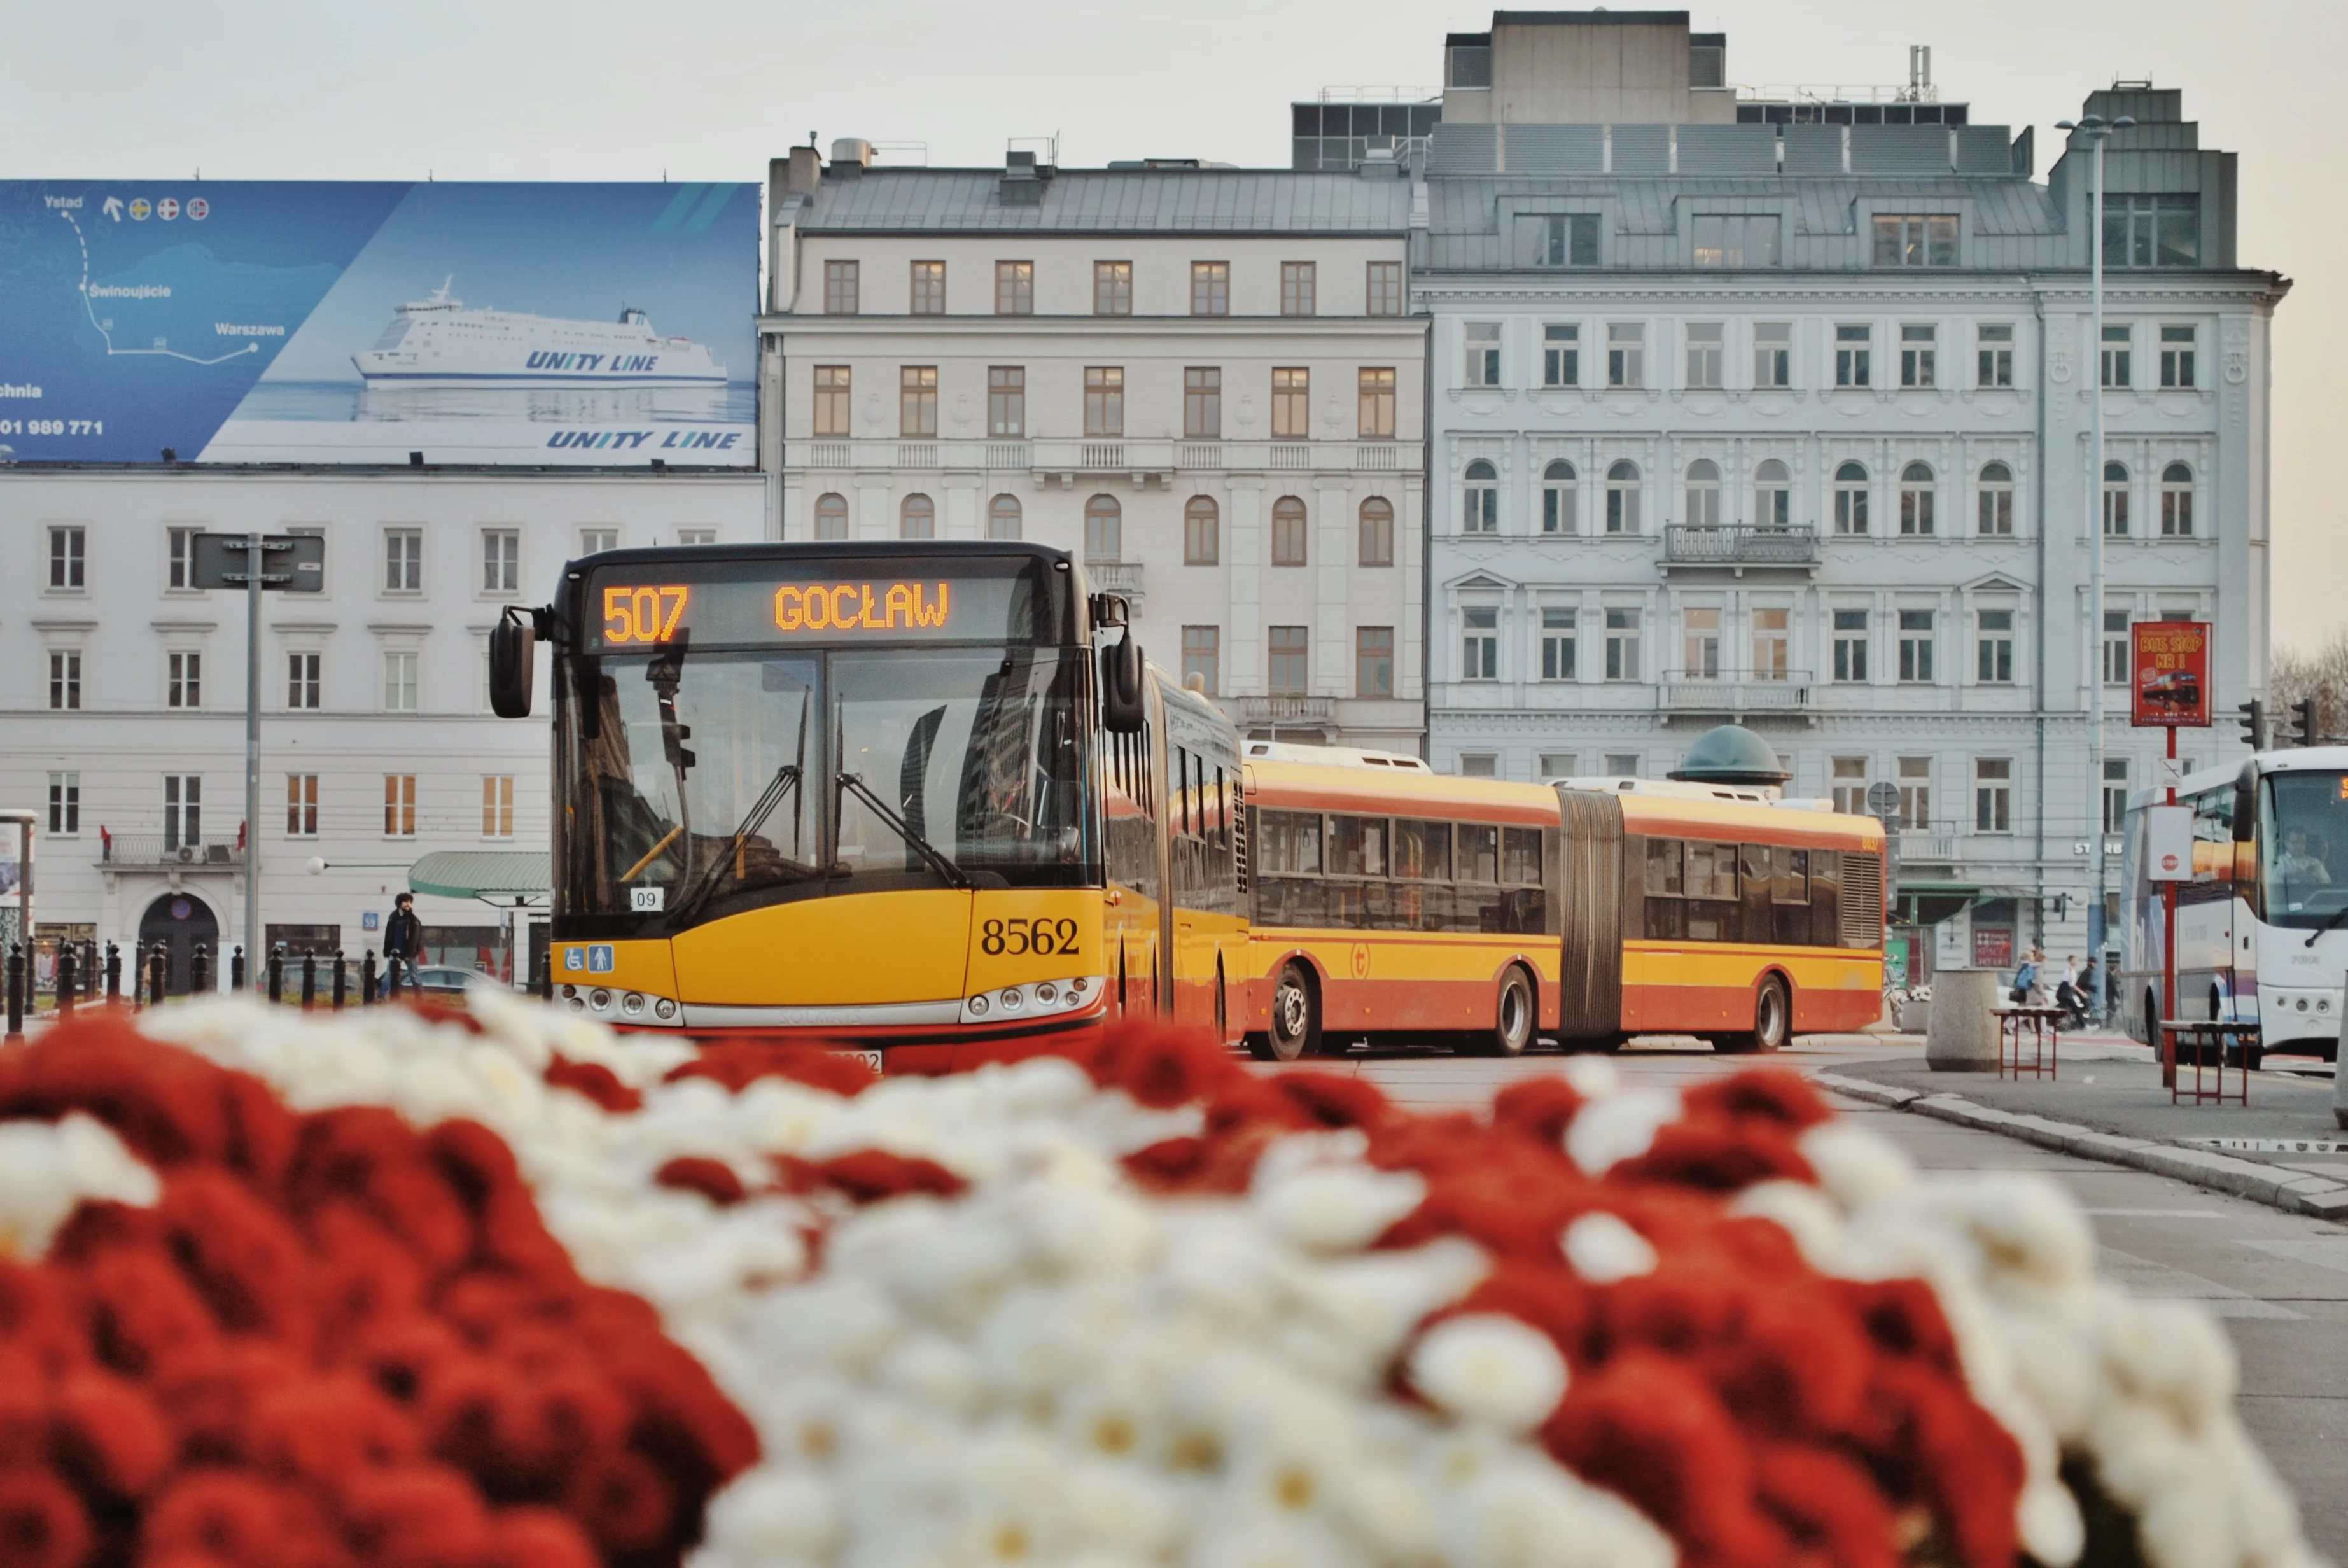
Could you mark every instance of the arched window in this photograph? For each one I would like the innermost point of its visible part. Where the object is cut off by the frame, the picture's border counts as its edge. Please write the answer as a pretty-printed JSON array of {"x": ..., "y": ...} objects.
[
  {"x": 1288, "y": 531},
  {"x": 1704, "y": 493},
  {"x": 1850, "y": 498},
  {"x": 1377, "y": 532},
  {"x": 1773, "y": 496},
  {"x": 1622, "y": 498},
  {"x": 1560, "y": 514},
  {"x": 1202, "y": 532},
  {"x": 1002, "y": 517},
  {"x": 917, "y": 517},
  {"x": 1482, "y": 512},
  {"x": 1996, "y": 501},
  {"x": 832, "y": 516},
  {"x": 1916, "y": 500},
  {"x": 1104, "y": 528},
  {"x": 2177, "y": 501},
  {"x": 2115, "y": 499}
]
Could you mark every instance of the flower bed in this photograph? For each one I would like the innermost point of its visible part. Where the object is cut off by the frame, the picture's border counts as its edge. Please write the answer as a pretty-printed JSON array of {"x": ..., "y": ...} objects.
[{"x": 499, "y": 1289}]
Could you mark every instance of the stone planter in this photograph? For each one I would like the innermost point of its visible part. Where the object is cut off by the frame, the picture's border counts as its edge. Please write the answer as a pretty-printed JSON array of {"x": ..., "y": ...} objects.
[
  {"x": 1961, "y": 1037},
  {"x": 1915, "y": 1017}
]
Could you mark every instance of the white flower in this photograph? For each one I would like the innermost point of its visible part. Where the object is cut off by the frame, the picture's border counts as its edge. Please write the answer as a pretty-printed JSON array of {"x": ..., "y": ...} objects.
[
  {"x": 2164, "y": 1351},
  {"x": 2047, "y": 1519},
  {"x": 1594, "y": 1076},
  {"x": 49, "y": 1169},
  {"x": 1802, "y": 1212},
  {"x": 1337, "y": 1208},
  {"x": 1620, "y": 1127},
  {"x": 1522, "y": 1515},
  {"x": 1488, "y": 1368},
  {"x": 1855, "y": 1165},
  {"x": 1602, "y": 1248},
  {"x": 769, "y": 1516}
]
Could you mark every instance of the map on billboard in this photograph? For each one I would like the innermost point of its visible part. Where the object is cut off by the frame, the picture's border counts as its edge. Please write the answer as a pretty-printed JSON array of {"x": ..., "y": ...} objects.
[{"x": 590, "y": 325}]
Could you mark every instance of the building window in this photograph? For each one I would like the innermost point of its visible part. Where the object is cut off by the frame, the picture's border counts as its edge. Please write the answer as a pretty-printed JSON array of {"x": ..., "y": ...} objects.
[
  {"x": 65, "y": 679},
  {"x": 1773, "y": 495},
  {"x": 831, "y": 400},
  {"x": 1704, "y": 493},
  {"x": 1773, "y": 355},
  {"x": 1622, "y": 647},
  {"x": 1994, "y": 356},
  {"x": 917, "y": 399},
  {"x": 1996, "y": 512},
  {"x": 302, "y": 683},
  {"x": 1851, "y": 636},
  {"x": 402, "y": 560},
  {"x": 1479, "y": 643},
  {"x": 183, "y": 809},
  {"x": 1483, "y": 347},
  {"x": 1002, "y": 518},
  {"x": 1562, "y": 353},
  {"x": 2115, "y": 647},
  {"x": 1482, "y": 512},
  {"x": 595, "y": 540},
  {"x": 2119, "y": 342},
  {"x": 1006, "y": 401},
  {"x": 1992, "y": 795},
  {"x": 2152, "y": 231},
  {"x": 1620, "y": 764},
  {"x": 399, "y": 805},
  {"x": 301, "y": 805},
  {"x": 1289, "y": 527},
  {"x": 2177, "y": 358},
  {"x": 2177, "y": 501},
  {"x": 501, "y": 561},
  {"x": 1104, "y": 530},
  {"x": 1374, "y": 648},
  {"x": 929, "y": 288},
  {"x": 831, "y": 516},
  {"x": 1202, "y": 403},
  {"x": 840, "y": 288},
  {"x": 1734, "y": 241},
  {"x": 2115, "y": 499},
  {"x": 1566, "y": 240},
  {"x": 1700, "y": 643},
  {"x": 399, "y": 681},
  {"x": 1849, "y": 781},
  {"x": 1210, "y": 288},
  {"x": 1291, "y": 404},
  {"x": 1993, "y": 663},
  {"x": 1480, "y": 765},
  {"x": 1773, "y": 644},
  {"x": 1384, "y": 285},
  {"x": 183, "y": 680},
  {"x": 917, "y": 517},
  {"x": 1911, "y": 239},
  {"x": 1560, "y": 765},
  {"x": 1014, "y": 288},
  {"x": 1916, "y": 501},
  {"x": 1622, "y": 498},
  {"x": 1916, "y": 648},
  {"x": 1919, "y": 354},
  {"x": 1288, "y": 668},
  {"x": 1704, "y": 351},
  {"x": 689, "y": 537},
  {"x": 1559, "y": 512},
  {"x": 1112, "y": 288},
  {"x": 1296, "y": 288},
  {"x": 1104, "y": 400},
  {"x": 2116, "y": 792},
  {"x": 1375, "y": 401},
  {"x": 1202, "y": 658},
  {"x": 1916, "y": 793},
  {"x": 497, "y": 806},
  {"x": 181, "y": 545},
  {"x": 1854, "y": 356},
  {"x": 1626, "y": 354},
  {"x": 1850, "y": 498},
  {"x": 1202, "y": 531},
  {"x": 65, "y": 804},
  {"x": 1377, "y": 532},
  {"x": 68, "y": 558},
  {"x": 1560, "y": 645}
]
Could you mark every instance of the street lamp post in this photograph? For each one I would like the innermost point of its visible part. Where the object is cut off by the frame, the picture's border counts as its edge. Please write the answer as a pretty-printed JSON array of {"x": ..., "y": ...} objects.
[{"x": 2097, "y": 130}]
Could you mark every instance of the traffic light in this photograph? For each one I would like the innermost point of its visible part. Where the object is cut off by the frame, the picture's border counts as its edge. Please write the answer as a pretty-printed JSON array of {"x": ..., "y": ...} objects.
[
  {"x": 2303, "y": 722},
  {"x": 2254, "y": 724}
]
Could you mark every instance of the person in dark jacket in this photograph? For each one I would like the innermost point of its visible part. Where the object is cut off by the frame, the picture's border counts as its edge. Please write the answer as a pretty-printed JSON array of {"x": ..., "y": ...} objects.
[{"x": 403, "y": 941}]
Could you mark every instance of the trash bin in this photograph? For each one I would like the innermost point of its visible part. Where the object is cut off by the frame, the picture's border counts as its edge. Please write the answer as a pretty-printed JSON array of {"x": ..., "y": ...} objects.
[{"x": 1962, "y": 1035}]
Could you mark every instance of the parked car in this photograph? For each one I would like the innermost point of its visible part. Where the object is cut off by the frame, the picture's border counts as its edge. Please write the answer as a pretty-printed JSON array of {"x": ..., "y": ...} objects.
[{"x": 441, "y": 979}]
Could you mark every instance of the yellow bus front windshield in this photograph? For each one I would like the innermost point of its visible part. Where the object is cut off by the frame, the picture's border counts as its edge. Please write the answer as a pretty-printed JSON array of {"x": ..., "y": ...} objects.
[{"x": 699, "y": 784}]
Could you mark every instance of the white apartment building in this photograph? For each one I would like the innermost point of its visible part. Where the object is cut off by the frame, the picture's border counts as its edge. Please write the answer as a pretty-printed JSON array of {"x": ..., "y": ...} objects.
[
  {"x": 1202, "y": 378},
  {"x": 122, "y": 689},
  {"x": 1779, "y": 412}
]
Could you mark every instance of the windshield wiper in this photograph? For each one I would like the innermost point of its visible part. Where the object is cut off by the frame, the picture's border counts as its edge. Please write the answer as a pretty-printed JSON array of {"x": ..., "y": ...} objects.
[
  {"x": 2337, "y": 916},
  {"x": 786, "y": 779},
  {"x": 938, "y": 862}
]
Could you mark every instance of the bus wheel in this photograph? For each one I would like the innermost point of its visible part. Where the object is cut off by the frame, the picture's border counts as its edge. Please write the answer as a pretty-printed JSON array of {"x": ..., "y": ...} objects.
[
  {"x": 1773, "y": 1022},
  {"x": 1295, "y": 1016},
  {"x": 1514, "y": 1017}
]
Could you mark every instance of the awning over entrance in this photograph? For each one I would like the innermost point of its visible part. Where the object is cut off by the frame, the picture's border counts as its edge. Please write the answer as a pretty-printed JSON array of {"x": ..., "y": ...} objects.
[{"x": 496, "y": 876}]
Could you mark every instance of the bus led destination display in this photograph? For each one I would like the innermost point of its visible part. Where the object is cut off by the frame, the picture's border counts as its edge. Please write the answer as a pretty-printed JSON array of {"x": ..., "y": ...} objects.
[{"x": 734, "y": 606}]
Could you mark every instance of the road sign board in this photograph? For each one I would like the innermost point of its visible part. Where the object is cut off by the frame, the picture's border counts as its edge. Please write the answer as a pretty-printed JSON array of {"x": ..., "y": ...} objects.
[
  {"x": 291, "y": 562},
  {"x": 2168, "y": 674},
  {"x": 1883, "y": 799}
]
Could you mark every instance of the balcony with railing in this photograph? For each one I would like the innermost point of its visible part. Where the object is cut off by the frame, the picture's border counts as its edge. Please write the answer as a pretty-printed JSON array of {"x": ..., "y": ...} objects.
[
  {"x": 168, "y": 851},
  {"x": 1301, "y": 712},
  {"x": 1688, "y": 544},
  {"x": 1118, "y": 577},
  {"x": 1734, "y": 694}
]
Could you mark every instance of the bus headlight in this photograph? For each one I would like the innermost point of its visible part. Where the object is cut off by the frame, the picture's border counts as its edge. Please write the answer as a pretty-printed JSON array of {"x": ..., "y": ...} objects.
[
  {"x": 1037, "y": 996},
  {"x": 633, "y": 1003},
  {"x": 663, "y": 1009}
]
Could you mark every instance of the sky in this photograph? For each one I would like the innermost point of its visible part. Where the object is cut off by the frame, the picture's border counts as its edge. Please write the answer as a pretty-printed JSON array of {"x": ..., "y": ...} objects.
[{"x": 709, "y": 90}]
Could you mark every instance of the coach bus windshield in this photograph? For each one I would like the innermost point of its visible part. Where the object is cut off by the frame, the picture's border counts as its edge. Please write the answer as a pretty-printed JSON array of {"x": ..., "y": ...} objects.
[
  {"x": 698, "y": 784},
  {"x": 2303, "y": 847}
]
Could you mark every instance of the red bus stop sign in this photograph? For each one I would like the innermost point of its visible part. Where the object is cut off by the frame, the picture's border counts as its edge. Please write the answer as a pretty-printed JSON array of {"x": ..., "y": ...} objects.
[{"x": 2168, "y": 674}]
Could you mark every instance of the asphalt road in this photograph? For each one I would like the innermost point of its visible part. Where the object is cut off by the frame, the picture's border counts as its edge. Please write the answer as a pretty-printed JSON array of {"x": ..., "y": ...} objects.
[{"x": 2278, "y": 1283}]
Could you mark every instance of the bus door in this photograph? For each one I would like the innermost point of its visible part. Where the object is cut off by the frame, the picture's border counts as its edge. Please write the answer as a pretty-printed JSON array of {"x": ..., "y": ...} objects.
[
  {"x": 1131, "y": 926},
  {"x": 2210, "y": 959},
  {"x": 1590, "y": 893}
]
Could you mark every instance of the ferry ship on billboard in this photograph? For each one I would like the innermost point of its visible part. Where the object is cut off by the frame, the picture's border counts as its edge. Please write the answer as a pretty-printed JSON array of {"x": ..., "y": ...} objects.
[{"x": 436, "y": 342}]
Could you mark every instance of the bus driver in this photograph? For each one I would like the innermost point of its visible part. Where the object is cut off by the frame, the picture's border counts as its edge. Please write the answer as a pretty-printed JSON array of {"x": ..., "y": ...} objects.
[{"x": 2297, "y": 864}]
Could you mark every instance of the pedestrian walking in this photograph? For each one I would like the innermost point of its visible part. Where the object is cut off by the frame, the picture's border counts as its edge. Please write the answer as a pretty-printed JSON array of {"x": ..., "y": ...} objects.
[
  {"x": 2025, "y": 977},
  {"x": 2070, "y": 997},
  {"x": 403, "y": 941}
]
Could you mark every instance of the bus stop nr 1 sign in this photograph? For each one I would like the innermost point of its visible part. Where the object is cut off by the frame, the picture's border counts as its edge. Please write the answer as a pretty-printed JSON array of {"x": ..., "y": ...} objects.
[{"x": 2168, "y": 674}]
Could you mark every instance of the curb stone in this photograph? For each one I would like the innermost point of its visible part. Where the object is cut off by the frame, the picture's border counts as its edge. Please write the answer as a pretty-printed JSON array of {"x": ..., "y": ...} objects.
[{"x": 2292, "y": 1192}]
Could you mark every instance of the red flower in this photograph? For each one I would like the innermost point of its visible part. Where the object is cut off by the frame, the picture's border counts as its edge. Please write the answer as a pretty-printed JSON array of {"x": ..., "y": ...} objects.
[
  {"x": 166, "y": 1104},
  {"x": 416, "y": 1516},
  {"x": 1903, "y": 1318},
  {"x": 739, "y": 1063},
  {"x": 624, "y": 1502},
  {"x": 1330, "y": 1101},
  {"x": 869, "y": 1175},
  {"x": 231, "y": 1518},
  {"x": 596, "y": 1081},
  {"x": 713, "y": 1179},
  {"x": 1540, "y": 1108},
  {"x": 39, "y": 1321},
  {"x": 1713, "y": 1154},
  {"x": 1930, "y": 1440},
  {"x": 1762, "y": 1094},
  {"x": 369, "y": 1156},
  {"x": 145, "y": 1317},
  {"x": 247, "y": 1261},
  {"x": 539, "y": 1538},
  {"x": 1159, "y": 1066},
  {"x": 360, "y": 1274},
  {"x": 107, "y": 1436},
  {"x": 477, "y": 1164},
  {"x": 1829, "y": 1505},
  {"x": 328, "y": 1429},
  {"x": 211, "y": 1400},
  {"x": 403, "y": 1355},
  {"x": 42, "y": 1524}
]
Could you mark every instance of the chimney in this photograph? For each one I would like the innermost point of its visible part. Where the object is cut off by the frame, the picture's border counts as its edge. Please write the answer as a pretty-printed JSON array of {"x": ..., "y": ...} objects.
[
  {"x": 850, "y": 157},
  {"x": 805, "y": 173},
  {"x": 1021, "y": 187}
]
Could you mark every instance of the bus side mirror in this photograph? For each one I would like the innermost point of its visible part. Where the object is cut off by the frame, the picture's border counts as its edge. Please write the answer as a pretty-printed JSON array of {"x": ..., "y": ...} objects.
[
  {"x": 513, "y": 669},
  {"x": 1123, "y": 709},
  {"x": 2246, "y": 803}
]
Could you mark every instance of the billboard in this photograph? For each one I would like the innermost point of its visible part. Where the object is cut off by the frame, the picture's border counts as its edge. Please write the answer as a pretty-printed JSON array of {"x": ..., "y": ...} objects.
[
  {"x": 2168, "y": 674},
  {"x": 590, "y": 325}
]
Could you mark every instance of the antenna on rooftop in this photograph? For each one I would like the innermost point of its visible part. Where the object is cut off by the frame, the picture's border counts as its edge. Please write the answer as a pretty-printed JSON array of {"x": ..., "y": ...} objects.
[{"x": 1920, "y": 72}]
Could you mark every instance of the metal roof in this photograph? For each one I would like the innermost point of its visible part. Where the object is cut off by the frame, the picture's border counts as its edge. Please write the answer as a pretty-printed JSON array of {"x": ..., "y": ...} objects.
[
  {"x": 501, "y": 874},
  {"x": 1103, "y": 201}
]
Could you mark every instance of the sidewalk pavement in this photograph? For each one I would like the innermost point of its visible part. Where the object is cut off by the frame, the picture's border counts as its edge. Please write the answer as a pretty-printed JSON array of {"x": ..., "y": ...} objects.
[{"x": 2283, "y": 1148}]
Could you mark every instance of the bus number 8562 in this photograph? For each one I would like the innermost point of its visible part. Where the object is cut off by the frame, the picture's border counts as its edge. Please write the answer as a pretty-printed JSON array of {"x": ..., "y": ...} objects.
[{"x": 1017, "y": 937}]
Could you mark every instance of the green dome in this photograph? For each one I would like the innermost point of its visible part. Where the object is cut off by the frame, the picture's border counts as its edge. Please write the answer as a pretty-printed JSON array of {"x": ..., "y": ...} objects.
[{"x": 1731, "y": 754}]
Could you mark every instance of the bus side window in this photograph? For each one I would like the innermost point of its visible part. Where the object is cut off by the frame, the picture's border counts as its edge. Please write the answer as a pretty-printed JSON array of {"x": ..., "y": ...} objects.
[
  {"x": 1825, "y": 898},
  {"x": 1479, "y": 854},
  {"x": 1666, "y": 918}
]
